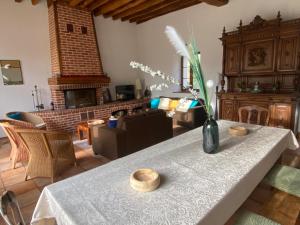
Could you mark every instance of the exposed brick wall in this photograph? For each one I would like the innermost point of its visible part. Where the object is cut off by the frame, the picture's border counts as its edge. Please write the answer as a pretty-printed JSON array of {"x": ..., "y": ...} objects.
[
  {"x": 73, "y": 53},
  {"x": 53, "y": 41},
  {"x": 67, "y": 119}
]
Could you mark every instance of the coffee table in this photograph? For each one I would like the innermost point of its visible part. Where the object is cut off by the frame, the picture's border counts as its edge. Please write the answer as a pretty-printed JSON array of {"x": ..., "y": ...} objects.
[{"x": 84, "y": 129}]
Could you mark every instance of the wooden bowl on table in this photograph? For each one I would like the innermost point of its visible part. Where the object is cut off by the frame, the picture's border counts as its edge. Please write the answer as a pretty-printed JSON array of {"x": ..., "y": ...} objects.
[
  {"x": 238, "y": 131},
  {"x": 144, "y": 180}
]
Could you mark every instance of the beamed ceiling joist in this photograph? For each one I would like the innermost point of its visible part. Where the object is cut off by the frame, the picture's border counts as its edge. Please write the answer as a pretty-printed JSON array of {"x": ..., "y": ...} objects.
[{"x": 134, "y": 11}]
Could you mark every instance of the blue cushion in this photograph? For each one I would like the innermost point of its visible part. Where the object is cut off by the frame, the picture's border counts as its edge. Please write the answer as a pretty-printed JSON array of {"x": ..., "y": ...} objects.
[
  {"x": 154, "y": 102},
  {"x": 194, "y": 104},
  {"x": 15, "y": 116}
]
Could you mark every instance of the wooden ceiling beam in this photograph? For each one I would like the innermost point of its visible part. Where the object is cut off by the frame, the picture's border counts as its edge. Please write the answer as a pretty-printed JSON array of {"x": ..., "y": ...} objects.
[
  {"x": 137, "y": 8},
  {"x": 74, "y": 3},
  {"x": 152, "y": 9},
  {"x": 124, "y": 8},
  {"x": 161, "y": 12},
  {"x": 216, "y": 2},
  {"x": 111, "y": 6},
  {"x": 86, "y": 4},
  {"x": 34, "y": 2},
  {"x": 97, "y": 3}
]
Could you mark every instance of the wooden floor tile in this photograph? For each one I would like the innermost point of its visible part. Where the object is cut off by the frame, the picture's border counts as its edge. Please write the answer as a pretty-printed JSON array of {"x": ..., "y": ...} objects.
[
  {"x": 13, "y": 176},
  {"x": 27, "y": 212},
  {"x": 90, "y": 163},
  {"x": 22, "y": 187},
  {"x": 28, "y": 198},
  {"x": 71, "y": 172},
  {"x": 41, "y": 182}
]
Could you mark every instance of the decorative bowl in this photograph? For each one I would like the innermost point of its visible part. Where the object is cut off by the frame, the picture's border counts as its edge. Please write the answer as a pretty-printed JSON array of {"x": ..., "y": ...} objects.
[
  {"x": 238, "y": 131},
  {"x": 144, "y": 180}
]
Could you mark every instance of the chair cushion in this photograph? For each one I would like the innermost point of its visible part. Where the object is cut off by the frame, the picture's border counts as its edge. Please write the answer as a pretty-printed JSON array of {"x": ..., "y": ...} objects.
[
  {"x": 164, "y": 103},
  {"x": 284, "y": 178},
  {"x": 15, "y": 116},
  {"x": 184, "y": 105},
  {"x": 249, "y": 218},
  {"x": 154, "y": 102}
]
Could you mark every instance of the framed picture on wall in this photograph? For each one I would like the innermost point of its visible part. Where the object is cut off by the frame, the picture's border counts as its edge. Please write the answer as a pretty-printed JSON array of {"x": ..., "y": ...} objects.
[{"x": 11, "y": 72}]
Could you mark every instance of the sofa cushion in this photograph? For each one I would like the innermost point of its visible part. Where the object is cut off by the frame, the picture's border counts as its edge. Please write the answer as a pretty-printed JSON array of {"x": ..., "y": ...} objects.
[
  {"x": 154, "y": 102},
  {"x": 164, "y": 103},
  {"x": 173, "y": 104},
  {"x": 184, "y": 105},
  {"x": 194, "y": 104}
]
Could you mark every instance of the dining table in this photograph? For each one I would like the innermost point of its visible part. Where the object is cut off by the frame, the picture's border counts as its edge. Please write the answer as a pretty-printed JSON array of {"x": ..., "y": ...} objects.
[{"x": 196, "y": 187}]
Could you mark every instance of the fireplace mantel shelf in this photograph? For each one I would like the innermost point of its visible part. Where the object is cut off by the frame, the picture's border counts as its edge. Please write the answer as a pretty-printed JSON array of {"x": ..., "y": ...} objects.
[{"x": 79, "y": 80}]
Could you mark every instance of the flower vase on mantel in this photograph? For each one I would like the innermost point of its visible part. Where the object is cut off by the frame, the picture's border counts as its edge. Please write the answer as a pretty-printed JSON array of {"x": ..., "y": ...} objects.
[{"x": 210, "y": 136}]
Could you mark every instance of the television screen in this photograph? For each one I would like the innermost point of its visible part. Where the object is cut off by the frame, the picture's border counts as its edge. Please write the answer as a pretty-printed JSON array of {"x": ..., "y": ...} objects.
[{"x": 125, "y": 92}]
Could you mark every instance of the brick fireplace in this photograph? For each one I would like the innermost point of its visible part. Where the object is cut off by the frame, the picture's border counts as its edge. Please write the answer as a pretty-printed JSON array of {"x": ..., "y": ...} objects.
[
  {"x": 76, "y": 65},
  {"x": 75, "y": 56}
]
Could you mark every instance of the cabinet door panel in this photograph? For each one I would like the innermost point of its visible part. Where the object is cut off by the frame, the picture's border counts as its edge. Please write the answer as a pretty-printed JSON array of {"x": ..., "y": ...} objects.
[
  {"x": 227, "y": 110},
  {"x": 287, "y": 54},
  {"x": 281, "y": 115},
  {"x": 232, "y": 60}
]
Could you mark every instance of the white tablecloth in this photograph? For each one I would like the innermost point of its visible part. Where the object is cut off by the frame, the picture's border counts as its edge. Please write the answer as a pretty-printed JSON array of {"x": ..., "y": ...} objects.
[{"x": 196, "y": 188}]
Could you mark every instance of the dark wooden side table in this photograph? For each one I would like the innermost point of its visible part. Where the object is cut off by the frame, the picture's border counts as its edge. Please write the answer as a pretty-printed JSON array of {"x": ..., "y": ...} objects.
[{"x": 84, "y": 129}]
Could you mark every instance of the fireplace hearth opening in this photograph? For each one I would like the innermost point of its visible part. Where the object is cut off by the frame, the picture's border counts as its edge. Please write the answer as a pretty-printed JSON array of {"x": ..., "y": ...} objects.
[{"x": 79, "y": 98}]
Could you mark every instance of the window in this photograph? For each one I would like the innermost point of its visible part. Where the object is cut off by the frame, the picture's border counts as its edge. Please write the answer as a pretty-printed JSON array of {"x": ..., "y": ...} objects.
[{"x": 187, "y": 79}]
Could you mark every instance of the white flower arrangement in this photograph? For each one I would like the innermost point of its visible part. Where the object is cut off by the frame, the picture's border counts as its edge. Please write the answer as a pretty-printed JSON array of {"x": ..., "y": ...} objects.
[{"x": 191, "y": 53}]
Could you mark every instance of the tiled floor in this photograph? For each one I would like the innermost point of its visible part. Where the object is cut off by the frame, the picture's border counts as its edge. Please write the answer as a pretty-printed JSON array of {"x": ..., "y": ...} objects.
[{"x": 271, "y": 203}]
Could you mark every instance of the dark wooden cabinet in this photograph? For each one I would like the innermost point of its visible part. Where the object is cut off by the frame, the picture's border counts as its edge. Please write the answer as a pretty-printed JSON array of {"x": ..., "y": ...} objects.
[
  {"x": 265, "y": 53},
  {"x": 282, "y": 107}
]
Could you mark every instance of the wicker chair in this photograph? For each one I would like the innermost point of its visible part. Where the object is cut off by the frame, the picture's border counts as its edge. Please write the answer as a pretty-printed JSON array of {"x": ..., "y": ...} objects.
[
  {"x": 47, "y": 149},
  {"x": 19, "y": 152},
  {"x": 27, "y": 119}
]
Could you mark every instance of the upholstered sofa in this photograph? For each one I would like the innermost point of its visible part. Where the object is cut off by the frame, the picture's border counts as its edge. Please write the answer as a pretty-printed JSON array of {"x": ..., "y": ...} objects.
[
  {"x": 132, "y": 134},
  {"x": 193, "y": 117}
]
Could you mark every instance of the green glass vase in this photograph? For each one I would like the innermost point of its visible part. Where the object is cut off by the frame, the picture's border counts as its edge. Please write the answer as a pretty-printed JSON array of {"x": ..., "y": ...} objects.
[{"x": 210, "y": 136}]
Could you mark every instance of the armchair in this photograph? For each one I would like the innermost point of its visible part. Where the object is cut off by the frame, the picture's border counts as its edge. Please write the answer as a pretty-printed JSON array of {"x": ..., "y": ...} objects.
[
  {"x": 19, "y": 151},
  {"x": 47, "y": 149}
]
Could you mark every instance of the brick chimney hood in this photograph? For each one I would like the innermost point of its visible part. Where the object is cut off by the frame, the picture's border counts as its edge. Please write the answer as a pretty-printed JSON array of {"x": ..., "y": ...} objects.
[{"x": 75, "y": 56}]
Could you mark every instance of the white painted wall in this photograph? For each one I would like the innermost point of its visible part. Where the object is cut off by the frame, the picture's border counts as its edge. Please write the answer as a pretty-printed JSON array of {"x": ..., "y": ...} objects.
[
  {"x": 117, "y": 45},
  {"x": 24, "y": 36},
  {"x": 206, "y": 22}
]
